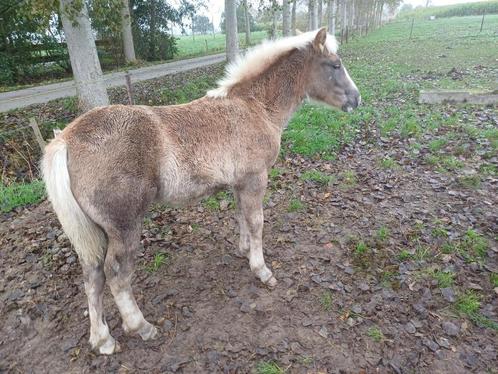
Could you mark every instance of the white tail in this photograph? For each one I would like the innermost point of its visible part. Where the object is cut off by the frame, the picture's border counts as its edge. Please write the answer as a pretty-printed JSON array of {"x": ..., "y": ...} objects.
[{"x": 87, "y": 238}]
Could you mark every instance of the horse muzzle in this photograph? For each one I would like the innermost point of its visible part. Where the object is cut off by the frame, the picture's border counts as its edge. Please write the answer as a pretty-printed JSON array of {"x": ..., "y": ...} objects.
[{"x": 353, "y": 101}]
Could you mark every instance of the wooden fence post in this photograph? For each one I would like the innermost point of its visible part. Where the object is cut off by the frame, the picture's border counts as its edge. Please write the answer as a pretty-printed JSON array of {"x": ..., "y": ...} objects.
[
  {"x": 38, "y": 135},
  {"x": 128, "y": 88},
  {"x": 411, "y": 29},
  {"x": 482, "y": 22}
]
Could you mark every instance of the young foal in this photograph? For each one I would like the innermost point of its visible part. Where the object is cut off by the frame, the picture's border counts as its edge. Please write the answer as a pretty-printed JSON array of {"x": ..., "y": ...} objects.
[{"x": 105, "y": 169}]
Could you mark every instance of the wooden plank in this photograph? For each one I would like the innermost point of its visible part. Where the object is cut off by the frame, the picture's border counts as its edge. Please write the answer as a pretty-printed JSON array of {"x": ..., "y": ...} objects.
[{"x": 455, "y": 96}]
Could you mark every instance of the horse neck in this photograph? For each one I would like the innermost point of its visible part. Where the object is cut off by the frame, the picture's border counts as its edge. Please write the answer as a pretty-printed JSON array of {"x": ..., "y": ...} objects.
[{"x": 280, "y": 88}]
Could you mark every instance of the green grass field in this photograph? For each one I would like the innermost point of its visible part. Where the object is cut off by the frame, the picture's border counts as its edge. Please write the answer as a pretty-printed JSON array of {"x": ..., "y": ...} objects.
[
  {"x": 454, "y": 10},
  {"x": 188, "y": 47}
]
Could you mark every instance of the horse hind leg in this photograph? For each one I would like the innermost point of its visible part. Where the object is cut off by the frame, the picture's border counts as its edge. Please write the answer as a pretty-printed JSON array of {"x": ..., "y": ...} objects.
[
  {"x": 100, "y": 338},
  {"x": 119, "y": 264}
]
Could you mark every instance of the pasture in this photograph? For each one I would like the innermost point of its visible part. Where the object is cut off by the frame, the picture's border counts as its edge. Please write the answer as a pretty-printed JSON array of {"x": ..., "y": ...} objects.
[{"x": 380, "y": 225}]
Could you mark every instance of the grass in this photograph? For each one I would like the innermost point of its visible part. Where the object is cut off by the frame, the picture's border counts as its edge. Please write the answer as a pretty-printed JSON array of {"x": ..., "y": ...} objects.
[
  {"x": 213, "y": 203},
  {"x": 388, "y": 163},
  {"x": 375, "y": 333},
  {"x": 474, "y": 244},
  {"x": 20, "y": 194},
  {"x": 295, "y": 205},
  {"x": 444, "y": 278},
  {"x": 317, "y": 177},
  {"x": 468, "y": 304},
  {"x": 348, "y": 179},
  {"x": 191, "y": 47},
  {"x": 470, "y": 181},
  {"x": 361, "y": 248},
  {"x": 268, "y": 368},
  {"x": 493, "y": 278},
  {"x": 159, "y": 259},
  {"x": 326, "y": 301},
  {"x": 404, "y": 255},
  {"x": 422, "y": 253},
  {"x": 383, "y": 234}
]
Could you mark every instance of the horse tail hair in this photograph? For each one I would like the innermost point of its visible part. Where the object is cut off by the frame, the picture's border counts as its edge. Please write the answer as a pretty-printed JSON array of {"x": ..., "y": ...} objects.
[{"x": 88, "y": 239}]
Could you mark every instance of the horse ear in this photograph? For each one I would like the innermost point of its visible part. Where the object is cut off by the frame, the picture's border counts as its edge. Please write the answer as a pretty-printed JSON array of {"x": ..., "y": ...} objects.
[{"x": 320, "y": 38}]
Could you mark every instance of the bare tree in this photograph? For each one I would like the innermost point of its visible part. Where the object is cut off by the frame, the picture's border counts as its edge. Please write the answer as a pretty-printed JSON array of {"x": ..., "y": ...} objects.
[
  {"x": 343, "y": 18},
  {"x": 232, "y": 42},
  {"x": 293, "y": 17},
  {"x": 286, "y": 27},
  {"x": 312, "y": 15},
  {"x": 331, "y": 16},
  {"x": 274, "y": 16},
  {"x": 319, "y": 14},
  {"x": 247, "y": 22},
  {"x": 128, "y": 47},
  {"x": 83, "y": 55}
]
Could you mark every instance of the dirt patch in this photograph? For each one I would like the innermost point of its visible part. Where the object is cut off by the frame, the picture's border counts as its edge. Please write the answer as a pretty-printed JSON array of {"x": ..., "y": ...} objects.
[{"x": 339, "y": 306}]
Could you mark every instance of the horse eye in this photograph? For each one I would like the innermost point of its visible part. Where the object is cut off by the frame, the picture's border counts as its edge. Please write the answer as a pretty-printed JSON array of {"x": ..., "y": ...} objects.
[{"x": 336, "y": 66}]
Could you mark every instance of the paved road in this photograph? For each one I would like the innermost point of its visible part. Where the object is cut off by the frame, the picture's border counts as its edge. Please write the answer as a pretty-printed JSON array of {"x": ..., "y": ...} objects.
[{"x": 42, "y": 94}]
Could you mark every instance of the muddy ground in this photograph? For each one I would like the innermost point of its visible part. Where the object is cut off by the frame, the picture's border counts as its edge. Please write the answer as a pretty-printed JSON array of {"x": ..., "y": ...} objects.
[{"x": 337, "y": 307}]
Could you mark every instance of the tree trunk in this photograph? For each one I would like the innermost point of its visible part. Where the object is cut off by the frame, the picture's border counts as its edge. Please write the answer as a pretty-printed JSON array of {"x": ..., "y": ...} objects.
[
  {"x": 313, "y": 15},
  {"x": 85, "y": 63},
  {"x": 293, "y": 17},
  {"x": 274, "y": 11},
  {"x": 286, "y": 27},
  {"x": 128, "y": 47},
  {"x": 319, "y": 12},
  {"x": 232, "y": 42},
  {"x": 331, "y": 16},
  {"x": 343, "y": 19},
  {"x": 247, "y": 23}
]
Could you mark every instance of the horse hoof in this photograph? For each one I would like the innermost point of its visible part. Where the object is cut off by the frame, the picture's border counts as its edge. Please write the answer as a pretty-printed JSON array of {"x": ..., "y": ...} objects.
[
  {"x": 109, "y": 347},
  {"x": 148, "y": 332},
  {"x": 271, "y": 282}
]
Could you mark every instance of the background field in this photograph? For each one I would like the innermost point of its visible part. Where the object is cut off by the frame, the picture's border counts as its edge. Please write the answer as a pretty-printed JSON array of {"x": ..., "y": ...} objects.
[{"x": 380, "y": 225}]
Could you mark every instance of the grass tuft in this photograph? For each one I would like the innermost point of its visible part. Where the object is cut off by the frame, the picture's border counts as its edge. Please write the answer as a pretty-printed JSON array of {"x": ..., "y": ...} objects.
[
  {"x": 375, "y": 333},
  {"x": 20, "y": 194},
  {"x": 160, "y": 258},
  {"x": 268, "y": 368},
  {"x": 316, "y": 176}
]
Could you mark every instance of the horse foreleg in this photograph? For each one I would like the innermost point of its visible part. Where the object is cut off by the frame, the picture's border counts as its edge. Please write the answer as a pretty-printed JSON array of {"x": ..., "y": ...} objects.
[{"x": 250, "y": 198}]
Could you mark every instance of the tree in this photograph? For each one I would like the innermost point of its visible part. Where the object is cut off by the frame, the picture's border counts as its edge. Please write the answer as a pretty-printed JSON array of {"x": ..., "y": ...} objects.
[
  {"x": 286, "y": 26},
  {"x": 274, "y": 17},
  {"x": 293, "y": 17},
  {"x": 319, "y": 13},
  {"x": 150, "y": 25},
  {"x": 312, "y": 15},
  {"x": 331, "y": 16},
  {"x": 128, "y": 47},
  {"x": 241, "y": 18},
  {"x": 232, "y": 43},
  {"x": 247, "y": 22},
  {"x": 202, "y": 24},
  {"x": 83, "y": 55}
]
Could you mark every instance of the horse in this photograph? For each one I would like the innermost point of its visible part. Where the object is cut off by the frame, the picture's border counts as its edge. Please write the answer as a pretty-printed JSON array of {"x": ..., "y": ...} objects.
[{"x": 106, "y": 168}]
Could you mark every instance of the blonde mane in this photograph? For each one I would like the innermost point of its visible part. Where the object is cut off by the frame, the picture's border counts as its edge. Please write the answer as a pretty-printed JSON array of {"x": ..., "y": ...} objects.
[{"x": 260, "y": 57}]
